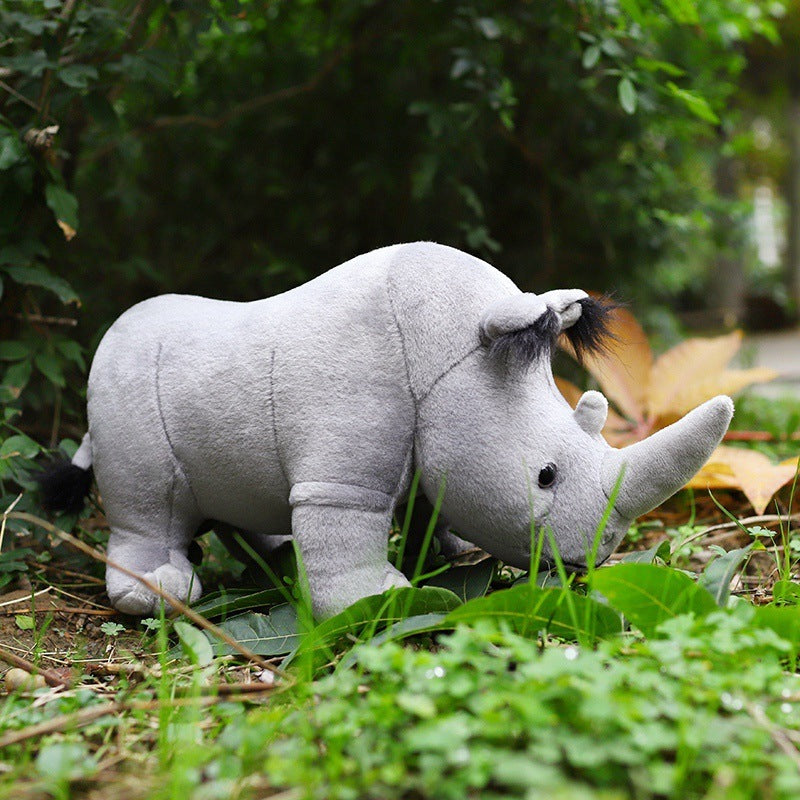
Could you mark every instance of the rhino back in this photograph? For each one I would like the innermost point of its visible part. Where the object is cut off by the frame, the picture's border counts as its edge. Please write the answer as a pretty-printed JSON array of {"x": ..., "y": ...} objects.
[{"x": 251, "y": 398}]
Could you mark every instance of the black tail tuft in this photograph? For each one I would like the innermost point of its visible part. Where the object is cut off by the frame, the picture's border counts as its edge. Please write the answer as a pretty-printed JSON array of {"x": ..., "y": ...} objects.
[{"x": 64, "y": 487}]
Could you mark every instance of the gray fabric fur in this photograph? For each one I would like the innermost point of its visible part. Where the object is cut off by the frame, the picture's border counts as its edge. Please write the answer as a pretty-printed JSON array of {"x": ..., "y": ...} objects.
[{"x": 311, "y": 410}]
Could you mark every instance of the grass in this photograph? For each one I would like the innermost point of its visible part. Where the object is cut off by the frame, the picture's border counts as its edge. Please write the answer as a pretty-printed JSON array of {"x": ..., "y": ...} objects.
[{"x": 474, "y": 689}]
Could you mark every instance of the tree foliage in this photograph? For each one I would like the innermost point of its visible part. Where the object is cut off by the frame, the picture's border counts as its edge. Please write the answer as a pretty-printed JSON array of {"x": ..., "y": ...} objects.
[{"x": 237, "y": 148}]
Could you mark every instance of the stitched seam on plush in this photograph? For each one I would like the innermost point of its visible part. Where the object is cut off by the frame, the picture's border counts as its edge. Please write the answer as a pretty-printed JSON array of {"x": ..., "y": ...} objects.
[
  {"x": 274, "y": 417},
  {"x": 453, "y": 366},
  {"x": 176, "y": 461},
  {"x": 414, "y": 401}
]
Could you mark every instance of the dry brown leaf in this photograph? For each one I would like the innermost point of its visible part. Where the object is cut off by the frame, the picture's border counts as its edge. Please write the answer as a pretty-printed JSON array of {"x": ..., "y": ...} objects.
[
  {"x": 617, "y": 431},
  {"x": 68, "y": 231},
  {"x": 684, "y": 366},
  {"x": 694, "y": 392},
  {"x": 623, "y": 371},
  {"x": 748, "y": 470}
]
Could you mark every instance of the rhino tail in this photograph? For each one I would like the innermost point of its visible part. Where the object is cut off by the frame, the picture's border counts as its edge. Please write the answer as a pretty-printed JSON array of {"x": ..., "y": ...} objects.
[{"x": 65, "y": 485}]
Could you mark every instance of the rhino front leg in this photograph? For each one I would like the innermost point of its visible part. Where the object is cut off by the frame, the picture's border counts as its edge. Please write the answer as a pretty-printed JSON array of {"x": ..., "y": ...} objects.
[{"x": 343, "y": 533}]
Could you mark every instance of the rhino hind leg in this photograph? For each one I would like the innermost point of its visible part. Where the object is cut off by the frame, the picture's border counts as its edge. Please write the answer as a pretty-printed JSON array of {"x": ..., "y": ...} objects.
[
  {"x": 153, "y": 542},
  {"x": 166, "y": 567}
]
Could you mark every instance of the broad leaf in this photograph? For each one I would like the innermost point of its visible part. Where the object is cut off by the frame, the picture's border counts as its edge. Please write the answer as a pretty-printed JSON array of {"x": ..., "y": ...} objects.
[
  {"x": 748, "y": 470},
  {"x": 693, "y": 372},
  {"x": 717, "y": 576},
  {"x": 466, "y": 582},
  {"x": 527, "y": 609},
  {"x": 627, "y": 95},
  {"x": 660, "y": 550},
  {"x": 50, "y": 366},
  {"x": 63, "y": 204},
  {"x": 787, "y": 592},
  {"x": 19, "y": 445},
  {"x": 784, "y": 620},
  {"x": 623, "y": 369},
  {"x": 370, "y": 614},
  {"x": 220, "y": 603},
  {"x": 648, "y": 595},
  {"x": 195, "y": 644},
  {"x": 270, "y": 634},
  {"x": 13, "y": 351},
  {"x": 39, "y": 276}
]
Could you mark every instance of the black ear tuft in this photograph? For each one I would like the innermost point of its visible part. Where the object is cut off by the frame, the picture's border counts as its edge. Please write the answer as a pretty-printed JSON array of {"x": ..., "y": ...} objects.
[
  {"x": 528, "y": 345},
  {"x": 591, "y": 332},
  {"x": 64, "y": 487}
]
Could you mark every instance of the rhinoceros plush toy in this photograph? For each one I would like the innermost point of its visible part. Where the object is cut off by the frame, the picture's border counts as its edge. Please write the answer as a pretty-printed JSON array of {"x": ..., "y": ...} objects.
[{"x": 311, "y": 411}]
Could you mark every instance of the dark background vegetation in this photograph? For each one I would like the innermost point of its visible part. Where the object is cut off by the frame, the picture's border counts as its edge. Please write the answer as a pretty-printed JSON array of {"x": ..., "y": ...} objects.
[{"x": 236, "y": 149}]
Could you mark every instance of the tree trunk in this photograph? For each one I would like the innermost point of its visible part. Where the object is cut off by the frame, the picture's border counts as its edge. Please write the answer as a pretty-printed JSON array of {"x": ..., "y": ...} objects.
[{"x": 793, "y": 232}]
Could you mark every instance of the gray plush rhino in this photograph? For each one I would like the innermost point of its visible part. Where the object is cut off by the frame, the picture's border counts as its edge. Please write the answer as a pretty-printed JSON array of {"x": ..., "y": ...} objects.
[{"x": 310, "y": 411}]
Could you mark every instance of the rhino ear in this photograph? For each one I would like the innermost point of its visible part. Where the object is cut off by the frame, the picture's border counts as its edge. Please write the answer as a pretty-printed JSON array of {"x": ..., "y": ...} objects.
[
  {"x": 526, "y": 326},
  {"x": 591, "y": 412}
]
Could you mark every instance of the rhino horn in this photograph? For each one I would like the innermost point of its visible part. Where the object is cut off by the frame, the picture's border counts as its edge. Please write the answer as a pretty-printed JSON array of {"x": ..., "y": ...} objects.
[{"x": 655, "y": 468}]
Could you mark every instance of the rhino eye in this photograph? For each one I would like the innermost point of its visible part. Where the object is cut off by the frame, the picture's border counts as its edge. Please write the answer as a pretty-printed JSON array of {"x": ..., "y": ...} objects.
[{"x": 547, "y": 475}]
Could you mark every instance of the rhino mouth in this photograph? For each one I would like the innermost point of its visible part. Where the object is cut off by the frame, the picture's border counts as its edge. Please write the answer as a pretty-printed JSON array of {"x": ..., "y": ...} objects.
[{"x": 572, "y": 567}]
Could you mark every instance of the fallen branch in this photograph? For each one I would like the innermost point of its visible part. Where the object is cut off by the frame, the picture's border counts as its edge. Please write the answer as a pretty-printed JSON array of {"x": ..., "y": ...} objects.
[
  {"x": 78, "y": 719},
  {"x": 178, "y": 605},
  {"x": 52, "y": 679}
]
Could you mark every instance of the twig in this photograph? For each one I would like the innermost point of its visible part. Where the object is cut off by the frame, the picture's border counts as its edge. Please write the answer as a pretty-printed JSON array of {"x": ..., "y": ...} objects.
[
  {"x": 80, "y": 718},
  {"x": 764, "y": 518},
  {"x": 43, "y": 320},
  {"x": 21, "y": 97},
  {"x": 198, "y": 619},
  {"x": 758, "y": 436},
  {"x": 254, "y": 103},
  {"x": 71, "y": 572},
  {"x": 775, "y": 731},
  {"x": 26, "y": 598},
  {"x": 51, "y": 678}
]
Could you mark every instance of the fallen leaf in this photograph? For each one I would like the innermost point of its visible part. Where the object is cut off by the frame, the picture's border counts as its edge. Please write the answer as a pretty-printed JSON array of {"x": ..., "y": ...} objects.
[
  {"x": 748, "y": 470},
  {"x": 68, "y": 231},
  {"x": 623, "y": 369}
]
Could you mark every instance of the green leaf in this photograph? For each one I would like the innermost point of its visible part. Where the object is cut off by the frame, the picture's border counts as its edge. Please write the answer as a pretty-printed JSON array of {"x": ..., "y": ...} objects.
[
  {"x": 783, "y": 620},
  {"x": 717, "y": 576},
  {"x": 627, "y": 95},
  {"x": 39, "y": 276},
  {"x": 527, "y": 609},
  {"x": 228, "y": 602},
  {"x": 660, "y": 550},
  {"x": 13, "y": 351},
  {"x": 654, "y": 65},
  {"x": 61, "y": 762},
  {"x": 488, "y": 27},
  {"x": 694, "y": 102},
  {"x": 77, "y": 76},
  {"x": 648, "y": 594},
  {"x": 24, "y": 622},
  {"x": 50, "y": 366},
  {"x": 270, "y": 634},
  {"x": 787, "y": 592},
  {"x": 466, "y": 582},
  {"x": 19, "y": 445},
  {"x": 591, "y": 55},
  {"x": 195, "y": 644},
  {"x": 684, "y": 12},
  {"x": 17, "y": 377},
  {"x": 63, "y": 204},
  {"x": 362, "y": 619},
  {"x": 12, "y": 151},
  {"x": 71, "y": 350}
]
